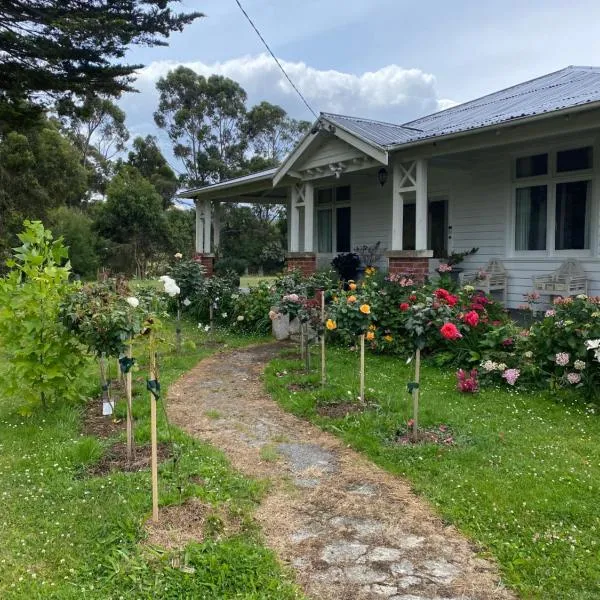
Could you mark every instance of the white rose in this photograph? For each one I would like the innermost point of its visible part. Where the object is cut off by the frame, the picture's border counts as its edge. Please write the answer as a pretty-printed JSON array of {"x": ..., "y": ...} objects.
[
  {"x": 178, "y": 255},
  {"x": 132, "y": 301},
  {"x": 240, "y": 317},
  {"x": 187, "y": 302},
  {"x": 224, "y": 315}
]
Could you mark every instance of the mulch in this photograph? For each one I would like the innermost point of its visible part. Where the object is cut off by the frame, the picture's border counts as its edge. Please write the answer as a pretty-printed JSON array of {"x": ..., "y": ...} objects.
[{"x": 115, "y": 459}]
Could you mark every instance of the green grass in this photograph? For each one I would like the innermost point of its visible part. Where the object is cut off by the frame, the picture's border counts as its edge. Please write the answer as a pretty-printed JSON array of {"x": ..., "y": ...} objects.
[
  {"x": 522, "y": 480},
  {"x": 254, "y": 280},
  {"x": 66, "y": 535}
]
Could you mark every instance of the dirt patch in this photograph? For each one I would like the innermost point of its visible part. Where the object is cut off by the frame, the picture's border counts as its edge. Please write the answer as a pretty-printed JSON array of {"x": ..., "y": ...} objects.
[
  {"x": 341, "y": 409},
  {"x": 347, "y": 528},
  {"x": 192, "y": 521},
  {"x": 441, "y": 435},
  {"x": 303, "y": 387},
  {"x": 115, "y": 459},
  {"x": 94, "y": 423}
]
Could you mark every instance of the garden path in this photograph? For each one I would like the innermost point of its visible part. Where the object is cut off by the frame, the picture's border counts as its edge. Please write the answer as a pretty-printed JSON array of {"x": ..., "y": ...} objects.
[{"x": 348, "y": 529}]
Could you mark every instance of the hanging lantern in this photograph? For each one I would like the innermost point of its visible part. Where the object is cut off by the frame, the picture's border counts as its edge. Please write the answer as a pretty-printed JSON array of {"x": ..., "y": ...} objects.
[{"x": 382, "y": 176}]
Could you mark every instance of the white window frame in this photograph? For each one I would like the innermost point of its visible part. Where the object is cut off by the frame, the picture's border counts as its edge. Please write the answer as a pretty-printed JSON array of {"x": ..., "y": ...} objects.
[
  {"x": 333, "y": 206},
  {"x": 550, "y": 180}
]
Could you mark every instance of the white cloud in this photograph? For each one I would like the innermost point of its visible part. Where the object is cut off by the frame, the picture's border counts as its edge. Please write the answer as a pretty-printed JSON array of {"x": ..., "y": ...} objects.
[{"x": 391, "y": 93}]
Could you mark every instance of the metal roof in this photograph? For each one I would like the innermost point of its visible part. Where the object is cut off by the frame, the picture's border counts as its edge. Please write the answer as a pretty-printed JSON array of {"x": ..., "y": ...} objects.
[
  {"x": 567, "y": 88},
  {"x": 267, "y": 174}
]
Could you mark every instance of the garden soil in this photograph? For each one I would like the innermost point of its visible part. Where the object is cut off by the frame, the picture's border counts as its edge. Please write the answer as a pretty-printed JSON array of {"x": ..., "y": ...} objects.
[{"x": 348, "y": 529}]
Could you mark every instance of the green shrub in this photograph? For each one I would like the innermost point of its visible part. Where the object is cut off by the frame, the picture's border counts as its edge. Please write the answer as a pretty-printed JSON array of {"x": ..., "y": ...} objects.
[
  {"x": 237, "y": 265},
  {"x": 44, "y": 357}
]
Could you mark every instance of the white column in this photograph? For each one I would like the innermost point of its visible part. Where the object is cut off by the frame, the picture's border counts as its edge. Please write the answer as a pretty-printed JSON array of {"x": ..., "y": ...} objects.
[
  {"x": 216, "y": 224},
  {"x": 199, "y": 227},
  {"x": 309, "y": 216},
  {"x": 207, "y": 226},
  {"x": 294, "y": 242},
  {"x": 397, "y": 207},
  {"x": 421, "y": 205}
]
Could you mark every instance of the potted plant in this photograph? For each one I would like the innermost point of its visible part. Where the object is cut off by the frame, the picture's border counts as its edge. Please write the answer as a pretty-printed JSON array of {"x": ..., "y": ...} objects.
[
  {"x": 346, "y": 264},
  {"x": 450, "y": 268}
]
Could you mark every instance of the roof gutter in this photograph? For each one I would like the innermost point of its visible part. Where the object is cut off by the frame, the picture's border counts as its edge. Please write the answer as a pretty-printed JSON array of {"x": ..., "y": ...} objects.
[
  {"x": 232, "y": 183},
  {"x": 503, "y": 125}
]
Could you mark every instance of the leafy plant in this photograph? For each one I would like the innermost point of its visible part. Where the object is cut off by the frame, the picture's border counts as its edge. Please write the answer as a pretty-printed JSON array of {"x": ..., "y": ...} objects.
[
  {"x": 346, "y": 264},
  {"x": 44, "y": 356},
  {"x": 369, "y": 254}
]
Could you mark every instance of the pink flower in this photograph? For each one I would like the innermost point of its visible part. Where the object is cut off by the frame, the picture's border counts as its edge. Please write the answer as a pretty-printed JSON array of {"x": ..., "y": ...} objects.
[
  {"x": 450, "y": 331},
  {"x": 404, "y": 306},
  {"x": 550, "y": 313},
  {"x": 444, "y": 268},
  {"x": 573, "y": 378},
  {"x": 467, "y": 384},
  {"x": 562, "y": 359},
  {"x": 471, "y": 319},
  {"x": 511, "y": 376}
]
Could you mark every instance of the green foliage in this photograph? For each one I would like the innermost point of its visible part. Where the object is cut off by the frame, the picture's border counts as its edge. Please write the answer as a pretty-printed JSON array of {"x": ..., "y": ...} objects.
[
  {"x": 101, "y": 318},
  {"x": 77, "y": 229},
  {"x": 147, "y": 158},
  {"x": 189, "y": 276},
  {"x": 180, "y": 231},
  {"x": 133, "y": 219},
  {"x": 76, "y": 48},
  {"x": 252, "y": 309},
  {"x": 346, "y": 264},
  {"x": 44, "y": 357},
  {"x": 237, "y": 265}
]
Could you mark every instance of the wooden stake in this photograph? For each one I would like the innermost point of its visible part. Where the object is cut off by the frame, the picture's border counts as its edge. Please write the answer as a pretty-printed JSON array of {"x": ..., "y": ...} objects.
[
  {"x": 178, "y": 330},
  {"x": 128, "y": 390},
  {"x": 362, "y": 367},
  {"x": 415, "y": 395},
  {"x": 153, "y": 432},
  {"x": 301, "y": 341},
  {"x": 307, "y": 355},
  {"x": 323, "y": 368},
  {"x": 211, "y": 317}
]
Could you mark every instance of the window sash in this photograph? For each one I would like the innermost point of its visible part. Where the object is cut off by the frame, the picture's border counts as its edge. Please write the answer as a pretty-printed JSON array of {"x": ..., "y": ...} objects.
[
  {"x": 531, "y": 216},
  {"x": 325, "y": 230},
  {"x": 572, "y": 215}
]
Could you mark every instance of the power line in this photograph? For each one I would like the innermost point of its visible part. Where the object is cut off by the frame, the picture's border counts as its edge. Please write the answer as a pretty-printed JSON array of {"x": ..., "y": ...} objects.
[{"x": 262, "y": 39}]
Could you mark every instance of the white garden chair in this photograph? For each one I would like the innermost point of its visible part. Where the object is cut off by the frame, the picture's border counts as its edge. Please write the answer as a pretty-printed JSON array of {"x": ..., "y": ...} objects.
[
  {"x": 490, "y": 279},
  {"x": 568, "y": 280}
]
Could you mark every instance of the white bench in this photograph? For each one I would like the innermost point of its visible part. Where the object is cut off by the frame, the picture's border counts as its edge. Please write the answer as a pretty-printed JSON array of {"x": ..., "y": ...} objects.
[
  {"x": 568, "y": 280},
  {"x": 491, "y": 278}
]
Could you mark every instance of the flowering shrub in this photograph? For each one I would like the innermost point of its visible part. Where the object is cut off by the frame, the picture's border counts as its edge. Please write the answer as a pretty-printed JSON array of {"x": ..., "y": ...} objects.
[{"x": 467, "y": 383}]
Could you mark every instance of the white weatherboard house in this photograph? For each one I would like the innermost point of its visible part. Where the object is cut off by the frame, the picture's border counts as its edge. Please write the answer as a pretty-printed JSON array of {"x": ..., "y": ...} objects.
[{"x": 515, "y": 173}]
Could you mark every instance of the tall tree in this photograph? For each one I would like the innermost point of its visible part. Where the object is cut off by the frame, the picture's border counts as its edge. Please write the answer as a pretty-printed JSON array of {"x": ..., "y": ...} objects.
[
  {"x": 133, "y": 219},
  {"x": 272, "y": 134},
  {"x": 147, "y": 158},
  {"x": 77, "y": 47},
  {"x": 204, "y": 120}
]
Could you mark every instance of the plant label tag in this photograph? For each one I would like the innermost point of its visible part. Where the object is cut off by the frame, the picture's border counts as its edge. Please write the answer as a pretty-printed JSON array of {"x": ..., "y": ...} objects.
[{"x": 107, "y": 408}]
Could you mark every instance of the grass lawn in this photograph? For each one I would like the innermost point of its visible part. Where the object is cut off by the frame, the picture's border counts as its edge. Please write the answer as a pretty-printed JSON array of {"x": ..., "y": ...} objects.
[
  {"x": 67, "y": 534},
  {"x": 253, "y": 280},
  {"x": 522, "y": 478}
]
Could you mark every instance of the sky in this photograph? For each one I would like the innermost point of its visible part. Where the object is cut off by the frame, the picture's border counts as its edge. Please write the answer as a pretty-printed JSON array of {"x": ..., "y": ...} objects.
[{"x": 390, "y": 60}]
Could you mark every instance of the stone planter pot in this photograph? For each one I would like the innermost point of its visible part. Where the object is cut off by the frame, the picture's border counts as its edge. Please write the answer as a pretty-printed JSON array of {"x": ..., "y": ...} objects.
[{"x": 280, "y": 326}]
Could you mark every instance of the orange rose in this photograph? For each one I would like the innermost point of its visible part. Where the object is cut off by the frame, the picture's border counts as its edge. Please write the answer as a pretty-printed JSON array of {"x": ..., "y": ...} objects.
[
  {"x": 365, "y": 309},
  {"x": 351, "y": 299},
  {"x": 352, "y": 286},
  {"x": 370, "y": 336}
]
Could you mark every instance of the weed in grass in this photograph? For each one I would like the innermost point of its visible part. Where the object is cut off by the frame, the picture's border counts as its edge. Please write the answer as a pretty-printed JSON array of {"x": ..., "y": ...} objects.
[
  {"x": 213, "y": 414},
  {"x": 269, "y": 453}
]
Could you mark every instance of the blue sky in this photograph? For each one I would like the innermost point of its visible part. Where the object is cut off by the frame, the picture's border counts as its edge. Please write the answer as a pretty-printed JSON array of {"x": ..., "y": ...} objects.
[{"x": 392, "y": 60}]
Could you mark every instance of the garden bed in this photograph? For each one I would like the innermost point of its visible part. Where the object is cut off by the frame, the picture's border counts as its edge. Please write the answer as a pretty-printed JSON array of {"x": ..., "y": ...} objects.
[{"x": 115, "y": 459}]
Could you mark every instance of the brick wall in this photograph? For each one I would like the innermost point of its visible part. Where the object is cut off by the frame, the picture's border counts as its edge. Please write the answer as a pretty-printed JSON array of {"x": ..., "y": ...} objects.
[
  {"x": 306, "y": 262},
  {"x": 208, "y": 262},
  {"x": 417, "y": 267}
]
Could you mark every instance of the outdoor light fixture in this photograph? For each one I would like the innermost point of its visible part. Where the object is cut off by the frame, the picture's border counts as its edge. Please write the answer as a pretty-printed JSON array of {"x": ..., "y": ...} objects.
[{"x": 382, "y": 176}]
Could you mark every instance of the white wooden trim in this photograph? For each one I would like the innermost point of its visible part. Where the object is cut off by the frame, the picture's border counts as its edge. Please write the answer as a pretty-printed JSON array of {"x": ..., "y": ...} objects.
[
  {"x": 199, "y": 229},
  {"x": 397, "y": 206},
  {"x": 309, "y": 214},
  {"x": 288, "y": 163},
  {"x": 207, "y": 226},
  {"x": 368, "y": 148},
  {"x": 294, "y": 219},
  {"x": 216, "y": 224},
  {"x": 421, "y": 205}
]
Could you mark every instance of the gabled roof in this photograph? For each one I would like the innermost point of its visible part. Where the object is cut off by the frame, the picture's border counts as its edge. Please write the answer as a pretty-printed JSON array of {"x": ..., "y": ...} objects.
[
  {"x": 567, "y": 88},
  {"x": 266, "y": 175}
]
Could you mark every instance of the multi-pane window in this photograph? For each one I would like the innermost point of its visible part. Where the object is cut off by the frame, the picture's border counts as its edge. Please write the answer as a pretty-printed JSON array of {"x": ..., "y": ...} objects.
[
  {"x": 553, "y": 201},
  {"x": 333, "y": 219}
]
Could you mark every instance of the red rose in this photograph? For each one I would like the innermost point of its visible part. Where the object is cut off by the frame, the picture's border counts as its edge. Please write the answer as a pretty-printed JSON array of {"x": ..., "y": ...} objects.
[
  {"x": 441, "y": 293},
  {"x": 471, "y": 319},
  {"x": 451, "y": 300},
  {"x": 404, "y": 306},
  {"x": 413, "y": 297},
  {"x": 450, "y": 331}
]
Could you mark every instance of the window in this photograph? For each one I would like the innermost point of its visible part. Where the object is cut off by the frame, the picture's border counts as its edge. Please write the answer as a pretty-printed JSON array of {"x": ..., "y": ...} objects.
[
  {"x": 572, "y": 221},
  {"x": 553, "y": 212},
  {"x": 333, "y": 219},
  {"x": 530, "y": 218}
]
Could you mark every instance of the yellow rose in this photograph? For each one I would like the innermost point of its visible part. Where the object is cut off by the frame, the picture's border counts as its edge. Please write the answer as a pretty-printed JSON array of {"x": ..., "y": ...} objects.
[
  {"x": 372, "y": 327},
  {"x": 352, "y": 286},
  {"x": 388, "y": 338},
  {"x": 351, "y": 299},
  {"x": 331, "y": 324},
  {"x": 370, "y": 335},
  {"x": 365, "y": 309}
]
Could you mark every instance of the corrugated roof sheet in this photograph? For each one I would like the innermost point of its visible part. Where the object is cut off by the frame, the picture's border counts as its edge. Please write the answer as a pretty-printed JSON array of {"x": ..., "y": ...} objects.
[
  {"x": 258, "y": 176},
  {"x": 570, "y": 87}
]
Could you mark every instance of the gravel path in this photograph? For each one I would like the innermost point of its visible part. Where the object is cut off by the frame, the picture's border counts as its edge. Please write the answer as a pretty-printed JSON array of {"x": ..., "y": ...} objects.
[{"x": 347, "y": 528}]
